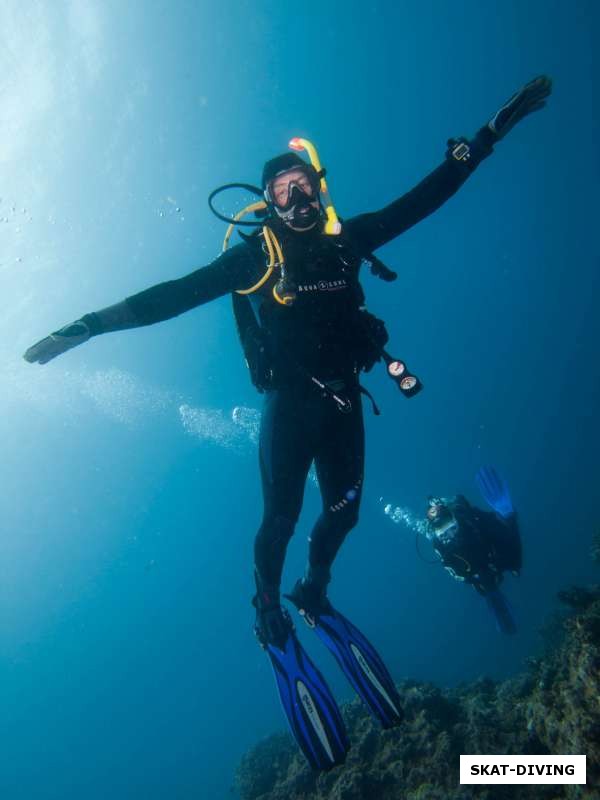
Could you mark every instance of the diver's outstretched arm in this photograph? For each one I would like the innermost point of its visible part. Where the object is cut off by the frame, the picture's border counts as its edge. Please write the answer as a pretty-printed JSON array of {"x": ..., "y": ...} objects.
[
  {"x": 232, "y": 270},
  {"x": 462, "y": 157}
]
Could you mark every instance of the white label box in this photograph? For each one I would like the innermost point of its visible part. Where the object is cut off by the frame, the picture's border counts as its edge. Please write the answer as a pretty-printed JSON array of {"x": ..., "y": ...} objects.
[{"x": 522, "y": 769}]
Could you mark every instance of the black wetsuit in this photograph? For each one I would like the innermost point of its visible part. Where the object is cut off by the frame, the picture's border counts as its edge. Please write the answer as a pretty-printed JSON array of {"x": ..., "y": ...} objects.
[
  {"x": 483, "y": 547},
  {"x": 320, "y": 335}
]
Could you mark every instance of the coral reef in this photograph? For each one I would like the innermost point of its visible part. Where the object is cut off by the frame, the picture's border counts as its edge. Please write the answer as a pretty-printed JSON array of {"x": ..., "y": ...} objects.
[{"x": 554, "y": 708}]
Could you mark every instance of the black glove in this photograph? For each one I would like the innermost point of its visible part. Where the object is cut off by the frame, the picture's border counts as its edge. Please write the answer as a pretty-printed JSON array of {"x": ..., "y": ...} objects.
[
  {"x": 58, "y": 342},
  {"x": 532, "y": 97},
  {"x": 113, "y": 318}
]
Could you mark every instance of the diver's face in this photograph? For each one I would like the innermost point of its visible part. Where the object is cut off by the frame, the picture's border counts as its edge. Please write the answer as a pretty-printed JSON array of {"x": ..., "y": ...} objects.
[
  {"x": 435, "y": 512},
  {"x": 283, "y": 185},
  {"x": 295, "y": 198},
  {"x": 441, "y": 519}
]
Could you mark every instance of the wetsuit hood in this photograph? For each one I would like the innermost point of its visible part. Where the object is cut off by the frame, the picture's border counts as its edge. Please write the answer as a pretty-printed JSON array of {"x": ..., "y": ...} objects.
[
  {"x": 279, "y": 164},
  {"x": 301, "y": 211}
]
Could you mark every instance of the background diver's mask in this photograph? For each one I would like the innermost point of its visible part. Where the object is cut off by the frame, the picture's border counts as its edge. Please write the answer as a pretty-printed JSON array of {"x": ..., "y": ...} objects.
[
  {"x": 440, "y": 518},
  {"x": 298, "y": 204}
]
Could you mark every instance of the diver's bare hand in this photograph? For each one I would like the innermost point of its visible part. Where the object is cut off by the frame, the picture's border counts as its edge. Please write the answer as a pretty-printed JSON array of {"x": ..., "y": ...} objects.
[{"x": 59, "y": 342}]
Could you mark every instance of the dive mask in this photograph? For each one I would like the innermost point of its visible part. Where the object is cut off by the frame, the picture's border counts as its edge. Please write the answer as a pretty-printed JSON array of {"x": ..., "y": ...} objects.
[
  {"x": 293, "y": 194},
  {"x": 441, "y": 520}
]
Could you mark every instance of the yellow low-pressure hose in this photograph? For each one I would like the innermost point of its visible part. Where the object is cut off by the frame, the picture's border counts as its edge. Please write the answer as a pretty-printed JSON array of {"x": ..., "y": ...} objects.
[{"x": 273, "y": 247}]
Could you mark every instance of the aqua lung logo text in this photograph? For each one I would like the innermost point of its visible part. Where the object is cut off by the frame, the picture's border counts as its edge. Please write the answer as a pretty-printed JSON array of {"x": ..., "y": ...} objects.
[{"x": 324, "y": 286}]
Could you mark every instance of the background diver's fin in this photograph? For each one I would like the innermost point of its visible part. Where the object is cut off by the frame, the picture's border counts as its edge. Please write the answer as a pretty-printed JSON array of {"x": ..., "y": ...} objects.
[
  {"x": 494, "y": 490},
  {"x": 500, "y": 608},
  {"x": 314, "y": 718}
]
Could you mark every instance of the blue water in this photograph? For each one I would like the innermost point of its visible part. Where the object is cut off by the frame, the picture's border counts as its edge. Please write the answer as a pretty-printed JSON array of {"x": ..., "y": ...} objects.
[{"x": 130, "y": 496}]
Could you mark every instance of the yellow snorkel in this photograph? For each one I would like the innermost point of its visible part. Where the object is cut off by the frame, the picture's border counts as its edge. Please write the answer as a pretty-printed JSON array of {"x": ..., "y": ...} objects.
[{"x": 333, "y": 226}]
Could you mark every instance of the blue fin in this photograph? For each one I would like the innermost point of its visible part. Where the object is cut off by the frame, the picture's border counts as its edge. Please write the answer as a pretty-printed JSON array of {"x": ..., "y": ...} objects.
[
  {"x": 312, "y": 713},
  {"x": 355, "y": 655},
  {"x": 498, "y": 605},
  {"x": 362, "y": 665},
  {"x": 494, "y": 490}
]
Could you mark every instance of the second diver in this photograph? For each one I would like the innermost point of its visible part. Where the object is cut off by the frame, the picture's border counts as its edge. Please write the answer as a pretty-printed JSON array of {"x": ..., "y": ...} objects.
[{"x": 477, "y": 546}]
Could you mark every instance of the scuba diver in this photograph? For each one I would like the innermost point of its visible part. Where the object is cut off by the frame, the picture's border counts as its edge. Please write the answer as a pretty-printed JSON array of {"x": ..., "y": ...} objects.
[
  {"x": 307, "y": 336},
  {"x": 476, "y": 546}
]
